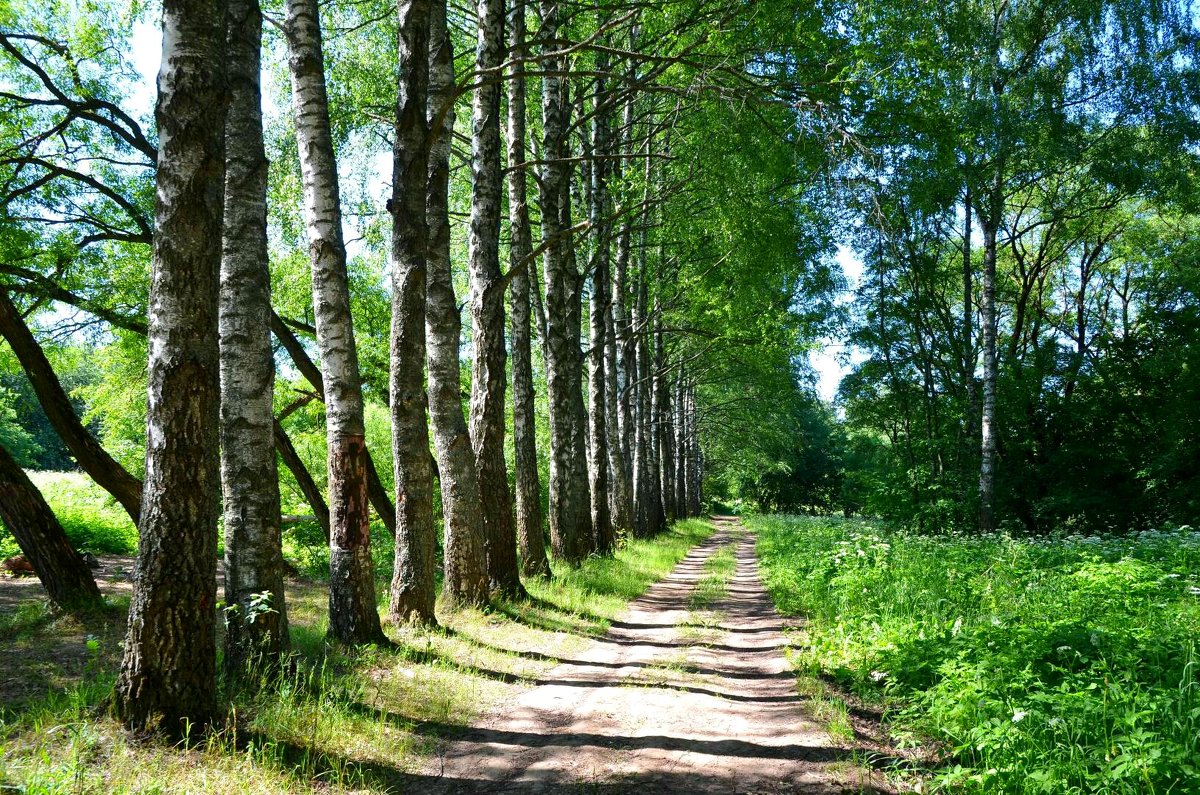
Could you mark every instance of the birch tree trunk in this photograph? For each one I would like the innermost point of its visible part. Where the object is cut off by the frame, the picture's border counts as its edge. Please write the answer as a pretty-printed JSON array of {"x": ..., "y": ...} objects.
[
  {"x": 570, "y": 532},
  {"x": 620, "y": 499},
  {"x": 488, "y": 377},
  {"x": 68, "y": 581},
  {"x": 648, "y": 507},
  {"x": 679, "y": 477},
  {"x": 598, "y": 440},
  {"x": 353, "y": 617},
  {"x": 987, "y": 431},
  {"x": 413, "y": 590},
  {"x": 88, "y": 453},
  {"x": 256, "y": 631},
  {"x": 529, "y": 506},
  {"x": 465, "y": 578},
  {"x": 168, "y": 677},
  {"x": 664, "y": 434}
]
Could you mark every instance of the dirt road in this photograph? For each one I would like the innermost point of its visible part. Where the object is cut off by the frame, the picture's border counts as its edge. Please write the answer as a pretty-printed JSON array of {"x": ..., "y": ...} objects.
[{"x": 688, "y": 693}]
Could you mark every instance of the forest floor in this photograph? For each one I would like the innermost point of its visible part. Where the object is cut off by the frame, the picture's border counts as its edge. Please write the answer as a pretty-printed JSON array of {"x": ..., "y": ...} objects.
[
  {"x": 684, "y": 689},
  {"x": 688, "y": 692}
]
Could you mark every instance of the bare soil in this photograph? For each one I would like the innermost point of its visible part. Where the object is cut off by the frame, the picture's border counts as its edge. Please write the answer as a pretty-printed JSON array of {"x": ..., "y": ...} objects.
[
  {"x": 671, "y": 700},
  {"x": 34, "y": 661}
]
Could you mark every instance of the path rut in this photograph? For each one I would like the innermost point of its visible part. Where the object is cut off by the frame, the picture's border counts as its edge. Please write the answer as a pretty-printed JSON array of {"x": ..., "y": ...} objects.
[{"x": 670, "y": 700}]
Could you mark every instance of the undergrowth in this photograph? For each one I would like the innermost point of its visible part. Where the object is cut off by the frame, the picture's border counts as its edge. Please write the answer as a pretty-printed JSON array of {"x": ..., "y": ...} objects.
[
  {"x": 93, "y": 520},
  {"x": 340, "y": 721},
  {"x": 1055, "y": 665}
]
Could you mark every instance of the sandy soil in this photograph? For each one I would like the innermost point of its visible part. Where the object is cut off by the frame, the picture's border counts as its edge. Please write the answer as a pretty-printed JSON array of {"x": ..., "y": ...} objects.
[{"x": 671, "y": 700}]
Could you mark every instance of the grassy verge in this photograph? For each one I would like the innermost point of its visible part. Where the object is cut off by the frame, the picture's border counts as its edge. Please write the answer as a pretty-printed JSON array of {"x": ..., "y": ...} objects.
[
  {"x": 343, "y": 722},
  {"x": 1063, "y": 665}
]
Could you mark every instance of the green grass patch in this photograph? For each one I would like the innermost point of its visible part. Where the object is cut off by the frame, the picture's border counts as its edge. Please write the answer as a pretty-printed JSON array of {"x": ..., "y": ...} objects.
[
  {"x": 714, "y": 585},
  {"x": 93, "y": 520},
  {"x": 1052, "y": 665}
]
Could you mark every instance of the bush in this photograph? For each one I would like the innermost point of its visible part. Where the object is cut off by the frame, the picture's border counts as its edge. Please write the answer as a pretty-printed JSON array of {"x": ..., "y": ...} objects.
[{"x": 1056, "y": 665}]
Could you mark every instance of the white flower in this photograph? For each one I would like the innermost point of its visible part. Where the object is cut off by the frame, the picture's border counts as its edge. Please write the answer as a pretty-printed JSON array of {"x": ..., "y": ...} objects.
[{"x": 1019, "y": 716}]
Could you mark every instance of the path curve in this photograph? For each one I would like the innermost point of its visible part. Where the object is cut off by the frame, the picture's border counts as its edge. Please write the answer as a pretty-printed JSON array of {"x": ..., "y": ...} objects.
[{"x": 670, "y": 700}]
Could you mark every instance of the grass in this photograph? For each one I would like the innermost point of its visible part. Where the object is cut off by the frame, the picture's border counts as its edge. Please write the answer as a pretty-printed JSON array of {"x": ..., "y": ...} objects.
[
  {"x": 94, "y": 521},
  {"x": 1051, "y": 665},
  {"x": 364, "y": 721},
  {"x": 714, "y": 585}
]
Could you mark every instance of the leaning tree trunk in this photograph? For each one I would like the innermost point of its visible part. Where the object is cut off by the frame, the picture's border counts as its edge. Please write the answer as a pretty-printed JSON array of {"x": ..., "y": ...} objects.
[
  {"x": 465, "y": 579},
  {"x": 91, "y": 457},
  {"x": 488, "y": 377},
  {"x": 529, "y": 506},
  {"x": 168, "y": 677},
  {"x": 304, "y": 479},
  {"x": 413, "y": 590},
  {"x": 256, "y": 625},
  {"x": 299, "y": 356},
  {"x": 570, "y": 534},
  {"x": 67, "y": 579},
  {"x": 353, "y": 617}
]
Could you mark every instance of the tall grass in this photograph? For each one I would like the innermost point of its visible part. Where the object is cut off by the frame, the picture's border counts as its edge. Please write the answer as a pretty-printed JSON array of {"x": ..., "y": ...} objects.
[
  {"x": 93, "y": 520},
  {"x": 1057, "y": 665}
]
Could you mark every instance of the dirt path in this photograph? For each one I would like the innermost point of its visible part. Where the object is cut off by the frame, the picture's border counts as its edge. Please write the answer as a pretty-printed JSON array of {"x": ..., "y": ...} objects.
[{"x": 678, "y": 697}]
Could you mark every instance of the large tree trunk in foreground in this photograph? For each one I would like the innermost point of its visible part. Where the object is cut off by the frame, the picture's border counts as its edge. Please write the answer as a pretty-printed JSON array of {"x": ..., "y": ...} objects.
[
  {"x": 413, "y": 576},
  {"x": 488, "y": 377},
  {"x": 168, "y": 678},
  {"x": 64, "y": 575},
  {"x": 353, "y": 617},
  {"x": 256, "y": 630},
  {"x": 91, "y": 457},
  {"x": 465, "y": 579},
  {"x": 529, "y": 506}
]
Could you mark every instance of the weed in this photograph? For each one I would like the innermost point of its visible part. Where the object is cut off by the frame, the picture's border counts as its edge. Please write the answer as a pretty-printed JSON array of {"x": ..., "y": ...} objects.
[{"x": 1064, "y": 664}]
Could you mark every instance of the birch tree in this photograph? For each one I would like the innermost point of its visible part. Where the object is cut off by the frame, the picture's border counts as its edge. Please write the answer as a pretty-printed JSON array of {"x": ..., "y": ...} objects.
[
  {"x": 168, "y": 671},
  {"x": 256, "y": 624},
  {"x": 353, "y": 617}
]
